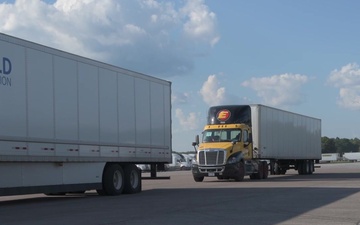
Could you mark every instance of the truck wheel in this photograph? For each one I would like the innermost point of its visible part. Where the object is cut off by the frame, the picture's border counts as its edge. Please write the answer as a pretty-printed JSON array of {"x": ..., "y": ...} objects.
[
  {"x": 241, "y": 172},
  {"x": 265, "y": 170},
  {"x": 132, "y": 179},
  {"x": 198, "y": 179},
  {"x": 260, "y": 173},
  {"x": 113, "y": 179}
]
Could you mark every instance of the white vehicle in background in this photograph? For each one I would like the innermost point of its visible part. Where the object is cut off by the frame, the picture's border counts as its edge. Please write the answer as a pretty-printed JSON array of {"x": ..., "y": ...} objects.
[
  {"x": 329, "y": 157},
  {"x": 144, "y": 167},
  {"x": 352, "y": 156},
  {"x": 178, "y": 162},
  {"x": 187, "y": 163}
]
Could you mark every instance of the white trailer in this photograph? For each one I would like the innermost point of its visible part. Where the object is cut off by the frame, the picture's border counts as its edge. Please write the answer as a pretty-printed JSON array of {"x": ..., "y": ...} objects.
[
  {"x": 329, "y": 157},
  {"x": 243, "y": 140},
  {"x": 279, "y": 134},
  {"x": 71, "y": 124},
  {"x": 351, "y": 156}
]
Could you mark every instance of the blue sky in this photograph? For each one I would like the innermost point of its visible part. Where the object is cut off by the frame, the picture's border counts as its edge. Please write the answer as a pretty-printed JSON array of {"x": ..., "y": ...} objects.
[{"x": 301, "y": 56}]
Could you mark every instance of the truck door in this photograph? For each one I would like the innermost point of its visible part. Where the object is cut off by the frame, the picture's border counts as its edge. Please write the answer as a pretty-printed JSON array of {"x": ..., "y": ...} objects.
[{"x": 247, "y": 143}]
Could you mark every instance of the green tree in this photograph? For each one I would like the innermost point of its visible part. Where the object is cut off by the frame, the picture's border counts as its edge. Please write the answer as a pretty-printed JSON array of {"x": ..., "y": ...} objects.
[
  {"x": 328, "y": 145},
  {"x": 344, "y": 145},
  {"x": 356, "y": 142}
]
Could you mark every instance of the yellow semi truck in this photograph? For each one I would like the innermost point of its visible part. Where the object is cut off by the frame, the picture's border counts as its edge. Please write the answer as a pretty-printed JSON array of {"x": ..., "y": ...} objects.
[{"x": 255, "y": 140}]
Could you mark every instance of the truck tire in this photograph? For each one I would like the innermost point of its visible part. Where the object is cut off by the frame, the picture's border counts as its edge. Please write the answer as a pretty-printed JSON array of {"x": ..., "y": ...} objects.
[
  {"x": 198, "y": 179},
  {"x": 113, "y": 179},
  {"x": 265, "y": 170},
  {"x": 132, "y": 179},
  {"x": 241, "y": 172},
  {"x": 260, "y": 173}
]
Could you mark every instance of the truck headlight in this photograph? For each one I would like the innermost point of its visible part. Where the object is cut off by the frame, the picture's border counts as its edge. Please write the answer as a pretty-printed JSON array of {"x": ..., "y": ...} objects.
[{"x": 232, "y": 159}]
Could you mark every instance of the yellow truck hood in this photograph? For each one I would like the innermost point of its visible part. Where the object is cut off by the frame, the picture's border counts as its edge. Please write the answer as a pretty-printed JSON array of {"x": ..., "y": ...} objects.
[{"x": 222, "y": 145}]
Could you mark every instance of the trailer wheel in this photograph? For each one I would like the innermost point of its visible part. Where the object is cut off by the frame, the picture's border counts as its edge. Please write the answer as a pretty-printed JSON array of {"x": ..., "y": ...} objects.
[
  {"x": 277, "y": 169},
  {"x": 307, "y": 166},
  {"x": 301, "y": 167},
  {"x": 312, "y": 166},
  {"x": 198, "y": 179},
  {"x": 240, "y": 173},
  {"x": 132, "y": 179},
  {"x": 113, "y": 179}
]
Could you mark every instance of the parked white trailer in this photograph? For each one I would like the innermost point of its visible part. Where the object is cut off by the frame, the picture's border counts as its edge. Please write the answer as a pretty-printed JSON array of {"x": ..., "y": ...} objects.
[
  {"x": 71, "y": 124},
  {"x": 329, "y": 157},
  {"x": 243, "y": 140},
  {"x": 352, "y": 156}
]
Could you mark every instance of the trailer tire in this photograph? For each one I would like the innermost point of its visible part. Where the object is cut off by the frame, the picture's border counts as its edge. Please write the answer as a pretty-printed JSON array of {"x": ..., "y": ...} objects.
[
  {"x": 302, "y": 167},
  {"x": 307, "y": 166},
  {"x": 312, "y": 166},
  {"x": 198, "y": 179},
  {"x": 277, "y": 169},
  {"x": 132, "y": 179},
  {"x": 113, "y": 179}
]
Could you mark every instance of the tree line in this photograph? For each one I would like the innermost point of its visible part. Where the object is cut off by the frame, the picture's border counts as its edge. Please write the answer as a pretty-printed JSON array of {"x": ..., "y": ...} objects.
[{"x": 339, "y": 145}]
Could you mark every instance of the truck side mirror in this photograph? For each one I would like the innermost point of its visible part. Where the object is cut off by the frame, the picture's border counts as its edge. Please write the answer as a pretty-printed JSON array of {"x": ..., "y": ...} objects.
[{"x": 197, "y": 139}]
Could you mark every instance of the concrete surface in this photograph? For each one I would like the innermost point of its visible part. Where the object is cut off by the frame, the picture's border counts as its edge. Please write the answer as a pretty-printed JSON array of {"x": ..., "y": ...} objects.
[{"x": 331, "y": 196}]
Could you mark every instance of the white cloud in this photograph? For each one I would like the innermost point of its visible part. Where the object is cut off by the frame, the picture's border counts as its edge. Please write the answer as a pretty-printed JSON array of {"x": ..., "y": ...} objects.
[
  {"x": 347, "y": 79},
  {"x": 211, "y": 93},
  {"x": 201, "y": 23},
  {"x": 145, "y": 35},
  {"x": 278, "y": 90},
  {"x": 187, "y": 122}
]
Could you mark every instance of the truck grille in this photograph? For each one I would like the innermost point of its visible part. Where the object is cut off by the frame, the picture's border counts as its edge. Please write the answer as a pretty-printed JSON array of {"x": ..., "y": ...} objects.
[{"x": 211, "y": 157}]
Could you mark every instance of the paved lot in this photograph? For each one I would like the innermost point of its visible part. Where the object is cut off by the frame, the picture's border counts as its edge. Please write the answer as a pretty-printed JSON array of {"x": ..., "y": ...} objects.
[{"x": 331, "y": 196}]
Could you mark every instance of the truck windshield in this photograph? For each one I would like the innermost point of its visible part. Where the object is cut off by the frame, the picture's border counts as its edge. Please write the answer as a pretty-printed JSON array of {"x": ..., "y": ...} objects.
[{"x": 227, "y": 135}]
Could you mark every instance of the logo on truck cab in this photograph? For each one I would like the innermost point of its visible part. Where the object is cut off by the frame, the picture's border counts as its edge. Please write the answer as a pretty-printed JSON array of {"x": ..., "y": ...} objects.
[
  {"x": 223, "y": 115},
  {"x": 5, "y": 71}
]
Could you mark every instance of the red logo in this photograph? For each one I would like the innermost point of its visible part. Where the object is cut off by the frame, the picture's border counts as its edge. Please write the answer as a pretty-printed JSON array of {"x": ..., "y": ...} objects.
[{"x": 223, "y": 115}]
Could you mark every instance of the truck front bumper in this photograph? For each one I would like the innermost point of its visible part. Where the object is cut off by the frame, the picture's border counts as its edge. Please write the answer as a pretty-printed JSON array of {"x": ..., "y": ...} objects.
[{"x": 225, "y": 171}]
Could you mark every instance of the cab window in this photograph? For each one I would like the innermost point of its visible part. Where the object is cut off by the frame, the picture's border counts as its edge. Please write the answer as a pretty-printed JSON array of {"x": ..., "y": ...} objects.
[{"x": 245, "y": 136}]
